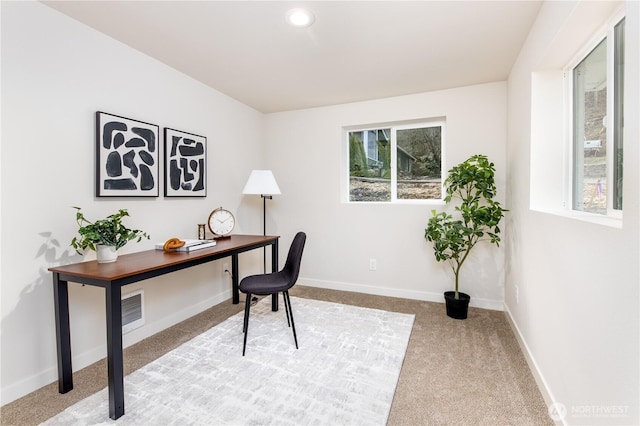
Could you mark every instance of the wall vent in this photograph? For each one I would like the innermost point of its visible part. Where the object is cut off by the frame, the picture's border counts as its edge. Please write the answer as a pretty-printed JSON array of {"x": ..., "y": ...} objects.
[{"x": 132, "y": 311}]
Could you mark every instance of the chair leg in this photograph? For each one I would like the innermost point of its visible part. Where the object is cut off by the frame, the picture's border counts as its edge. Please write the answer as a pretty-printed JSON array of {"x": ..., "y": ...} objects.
[
  {"x": 286, "y": 308},
  {"x": 245, "y": 327},
  {"x": 287, "y": 304}
]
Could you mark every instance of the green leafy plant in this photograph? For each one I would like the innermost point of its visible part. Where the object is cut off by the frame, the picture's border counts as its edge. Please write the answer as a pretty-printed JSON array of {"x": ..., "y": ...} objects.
[
  {"x": 471, "y": 182},
  {"x": 109, "y": 231}
]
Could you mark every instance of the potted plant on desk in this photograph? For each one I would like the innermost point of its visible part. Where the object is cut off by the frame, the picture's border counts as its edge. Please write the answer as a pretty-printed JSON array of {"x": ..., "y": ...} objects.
[
  {"x": 104, "y": 236},
  {"x": 472, "y": 182}
]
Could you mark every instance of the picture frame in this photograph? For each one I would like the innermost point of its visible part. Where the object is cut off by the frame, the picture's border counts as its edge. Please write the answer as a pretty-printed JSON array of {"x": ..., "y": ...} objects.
[
  {"x": 185, "y": 164},
  {"x": 126, "y": 157}
]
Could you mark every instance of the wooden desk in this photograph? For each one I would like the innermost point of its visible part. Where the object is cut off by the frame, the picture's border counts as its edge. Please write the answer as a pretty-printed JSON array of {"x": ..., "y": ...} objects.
[{"x": 128, "y": 269}]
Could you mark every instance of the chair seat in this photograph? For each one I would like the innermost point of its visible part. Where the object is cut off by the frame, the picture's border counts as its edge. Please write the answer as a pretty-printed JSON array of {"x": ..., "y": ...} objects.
[{"x": 263, "y": 285}]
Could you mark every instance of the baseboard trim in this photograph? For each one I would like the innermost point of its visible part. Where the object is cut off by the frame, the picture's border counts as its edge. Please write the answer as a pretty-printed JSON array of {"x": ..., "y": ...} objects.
[
  {"x": 547, "y": 395},
  {"x": 494, "y": 305}
]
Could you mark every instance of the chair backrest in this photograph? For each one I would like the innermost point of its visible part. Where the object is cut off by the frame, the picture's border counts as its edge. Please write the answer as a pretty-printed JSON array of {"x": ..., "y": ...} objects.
[{"x": 292, "y": 265}]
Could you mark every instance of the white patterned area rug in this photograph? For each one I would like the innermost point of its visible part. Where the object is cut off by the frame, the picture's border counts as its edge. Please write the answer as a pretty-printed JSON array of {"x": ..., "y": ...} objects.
[{"x": 345, "y": 372}]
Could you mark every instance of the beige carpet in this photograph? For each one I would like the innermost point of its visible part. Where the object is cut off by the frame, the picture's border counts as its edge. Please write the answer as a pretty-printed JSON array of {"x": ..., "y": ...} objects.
[{"x": 469, "y": 372}]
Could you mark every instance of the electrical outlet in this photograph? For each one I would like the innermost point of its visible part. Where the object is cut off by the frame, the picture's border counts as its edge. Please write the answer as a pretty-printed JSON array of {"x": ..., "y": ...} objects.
[
  {"x": 373, "y": 264},
  {"x": 517, "y": 294},
  {"x": 225, "y": 271}
]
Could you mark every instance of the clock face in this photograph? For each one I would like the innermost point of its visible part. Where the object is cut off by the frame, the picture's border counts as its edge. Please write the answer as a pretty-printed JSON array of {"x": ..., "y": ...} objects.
[{"x": 221, "y": 222}]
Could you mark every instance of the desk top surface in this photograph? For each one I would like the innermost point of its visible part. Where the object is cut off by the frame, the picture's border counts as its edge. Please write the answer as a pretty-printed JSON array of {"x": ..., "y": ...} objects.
[{"x": 149, "y": 260}]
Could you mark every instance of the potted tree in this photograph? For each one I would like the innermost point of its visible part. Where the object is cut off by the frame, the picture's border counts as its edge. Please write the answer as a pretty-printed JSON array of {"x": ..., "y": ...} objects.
[
  {"x": 104, "y": 236},
  {"x": 471, "y": 182}
]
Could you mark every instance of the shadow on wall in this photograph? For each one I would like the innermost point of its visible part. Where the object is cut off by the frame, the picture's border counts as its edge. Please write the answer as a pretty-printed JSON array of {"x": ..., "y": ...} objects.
[
  {"x": 512, "y": 252},
  {"x": 28, "y": 331},
  {"x": 482, "y": 274}
]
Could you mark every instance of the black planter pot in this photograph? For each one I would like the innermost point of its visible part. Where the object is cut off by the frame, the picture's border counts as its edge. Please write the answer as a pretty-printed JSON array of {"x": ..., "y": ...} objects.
[{"x": 457, "y": 308}]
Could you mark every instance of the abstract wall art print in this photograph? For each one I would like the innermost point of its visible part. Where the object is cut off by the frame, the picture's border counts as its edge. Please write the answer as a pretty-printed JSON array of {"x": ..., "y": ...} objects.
[
  {"x": 185, "y": 164},
  {"x": 127, "y": 157}
]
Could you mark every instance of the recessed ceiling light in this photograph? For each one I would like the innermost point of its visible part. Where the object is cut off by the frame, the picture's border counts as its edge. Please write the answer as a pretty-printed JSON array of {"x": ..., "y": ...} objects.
[{"x": 300, "y": 18}]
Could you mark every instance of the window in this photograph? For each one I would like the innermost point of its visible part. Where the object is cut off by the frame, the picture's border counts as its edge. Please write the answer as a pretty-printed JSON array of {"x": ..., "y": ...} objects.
[
  {"x": 597, "y": 83},
  {"x": 396, "y": 163}
]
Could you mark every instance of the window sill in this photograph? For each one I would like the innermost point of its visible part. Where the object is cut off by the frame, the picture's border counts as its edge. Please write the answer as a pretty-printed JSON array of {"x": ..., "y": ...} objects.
[
  {"x": 399, "y": 202},
  {"x": 610, "y": 221}
]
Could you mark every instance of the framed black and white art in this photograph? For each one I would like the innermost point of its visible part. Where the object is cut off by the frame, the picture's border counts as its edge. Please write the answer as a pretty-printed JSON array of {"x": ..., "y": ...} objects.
[
  {"x": 185, "y": 164},
  {"x": 127, "y": 157}
]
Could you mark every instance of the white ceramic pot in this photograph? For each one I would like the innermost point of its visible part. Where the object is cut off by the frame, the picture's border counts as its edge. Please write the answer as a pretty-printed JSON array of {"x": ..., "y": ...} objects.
[{"x": 106, "y": 254}]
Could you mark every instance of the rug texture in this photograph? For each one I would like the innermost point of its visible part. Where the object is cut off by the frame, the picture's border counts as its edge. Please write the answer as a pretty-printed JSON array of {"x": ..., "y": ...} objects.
[{"x": 345, "y": 372}]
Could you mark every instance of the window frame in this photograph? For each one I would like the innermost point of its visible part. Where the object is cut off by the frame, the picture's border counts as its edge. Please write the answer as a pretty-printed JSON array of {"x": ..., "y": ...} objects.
[
  {"x": 394, "y": 127},
  {"x": 607, "y": 31}
]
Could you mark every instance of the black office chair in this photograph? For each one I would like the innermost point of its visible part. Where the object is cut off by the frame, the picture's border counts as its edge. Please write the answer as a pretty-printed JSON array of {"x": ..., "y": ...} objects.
[{"x": 274, "y": 283}]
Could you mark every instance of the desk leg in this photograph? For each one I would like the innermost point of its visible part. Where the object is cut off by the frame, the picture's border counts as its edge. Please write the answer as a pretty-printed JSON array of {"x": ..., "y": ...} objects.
[
  {"x": 115, "y": 368},
  {"x": 234, "y": 279},
  {"x": 274, "y": 268},
  {"x": 63, "y": 333}
]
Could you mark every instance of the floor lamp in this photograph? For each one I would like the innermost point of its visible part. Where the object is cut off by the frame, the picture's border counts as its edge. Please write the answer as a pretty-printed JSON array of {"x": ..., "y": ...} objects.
[{"x": 263, "y": 183}]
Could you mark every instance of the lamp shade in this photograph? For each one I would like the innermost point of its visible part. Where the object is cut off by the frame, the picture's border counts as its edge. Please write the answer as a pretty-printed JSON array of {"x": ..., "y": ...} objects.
[{"x": 261, "y": 182}]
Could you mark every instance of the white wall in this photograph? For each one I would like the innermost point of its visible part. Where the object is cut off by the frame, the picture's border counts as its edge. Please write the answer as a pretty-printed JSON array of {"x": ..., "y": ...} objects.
[
  {"x": 577, "y": 282},
  {"x": 56, "y": 73},
  {"x": 305, "y": 149}
]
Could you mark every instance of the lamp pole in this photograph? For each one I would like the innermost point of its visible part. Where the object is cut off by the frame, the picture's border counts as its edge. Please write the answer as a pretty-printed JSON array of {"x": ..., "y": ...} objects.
[{"x": 264, "y": 230}]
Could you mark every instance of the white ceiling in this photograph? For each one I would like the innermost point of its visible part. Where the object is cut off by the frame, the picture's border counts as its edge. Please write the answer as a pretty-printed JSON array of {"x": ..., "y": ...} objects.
[{"x": 355, "y": 50}]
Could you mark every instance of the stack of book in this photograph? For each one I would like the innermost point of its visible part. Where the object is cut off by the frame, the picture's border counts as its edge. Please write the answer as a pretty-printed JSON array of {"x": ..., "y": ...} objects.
[{"x": 191, "y": 245}]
